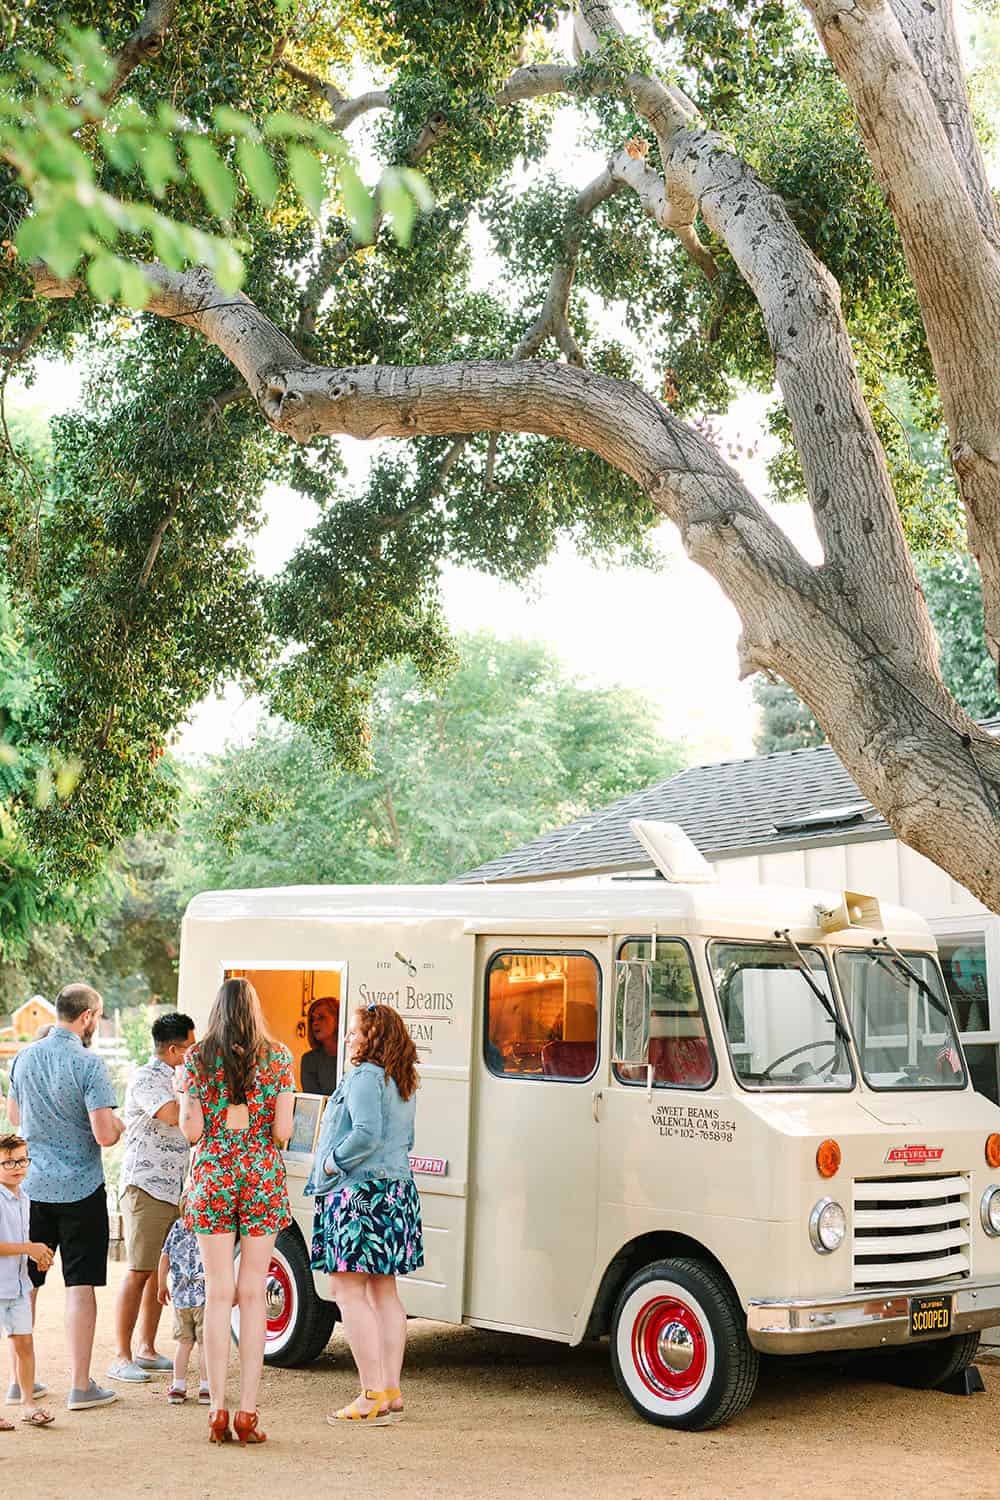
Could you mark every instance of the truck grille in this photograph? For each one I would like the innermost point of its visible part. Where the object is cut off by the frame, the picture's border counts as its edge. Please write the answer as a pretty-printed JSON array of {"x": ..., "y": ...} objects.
[{"x": 910, "y": 1229}]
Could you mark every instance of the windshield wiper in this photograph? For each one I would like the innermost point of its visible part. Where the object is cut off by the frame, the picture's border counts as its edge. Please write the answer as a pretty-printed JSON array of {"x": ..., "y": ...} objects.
[
  {"x": 817, "y": 990},
  {"x": 900, "y": 962}
]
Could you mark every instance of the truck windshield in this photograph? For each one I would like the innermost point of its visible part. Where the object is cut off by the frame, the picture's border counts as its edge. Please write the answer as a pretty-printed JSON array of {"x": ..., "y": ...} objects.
[
  {"x": 781, "y": 1034},
  {"x": 904, "y": 1030}
]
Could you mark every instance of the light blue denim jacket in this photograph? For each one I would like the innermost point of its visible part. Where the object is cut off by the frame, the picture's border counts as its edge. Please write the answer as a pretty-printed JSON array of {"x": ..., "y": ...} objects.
[{"x": 367, "y": 1131}]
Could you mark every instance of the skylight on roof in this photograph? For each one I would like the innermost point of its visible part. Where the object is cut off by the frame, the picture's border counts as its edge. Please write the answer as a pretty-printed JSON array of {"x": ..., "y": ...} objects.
[{"x": 845, "y": 816}]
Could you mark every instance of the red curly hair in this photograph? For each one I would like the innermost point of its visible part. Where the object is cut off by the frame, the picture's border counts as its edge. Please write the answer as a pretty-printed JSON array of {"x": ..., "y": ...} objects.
[{"x": 386, "y": 1042}]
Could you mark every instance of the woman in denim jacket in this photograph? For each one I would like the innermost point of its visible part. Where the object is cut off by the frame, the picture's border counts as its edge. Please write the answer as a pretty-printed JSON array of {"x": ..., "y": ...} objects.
[{"x": 367, "y": 1229}]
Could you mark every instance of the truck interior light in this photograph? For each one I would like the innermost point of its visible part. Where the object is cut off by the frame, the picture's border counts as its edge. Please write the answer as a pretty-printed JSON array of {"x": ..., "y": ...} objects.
[
  {"x": 989, "y": 1210},
  {"x": 993, "y": 1150},
  {"x": 827, "y": 1226},
  {"x": 828, "y": 1158}
]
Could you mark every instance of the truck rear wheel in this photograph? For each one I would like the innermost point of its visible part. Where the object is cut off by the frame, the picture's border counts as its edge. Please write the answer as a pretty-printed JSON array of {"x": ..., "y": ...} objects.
[
  {"x": 299, "y": 1323},
  {"x": 679, "y": 1348},
  {"x": 924, "y": 1366}
]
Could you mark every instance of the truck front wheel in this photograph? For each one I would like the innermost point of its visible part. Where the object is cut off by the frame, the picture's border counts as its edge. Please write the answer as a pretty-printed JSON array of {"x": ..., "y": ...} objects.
[
  {"x": 921, "y": 1367},
  {"x": 679, "y": 1348},
  {"x": 299, "y": 1323}
]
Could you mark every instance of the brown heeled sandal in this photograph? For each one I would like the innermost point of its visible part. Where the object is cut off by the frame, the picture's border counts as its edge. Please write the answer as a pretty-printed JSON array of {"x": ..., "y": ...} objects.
[
  {"x": 245, "y": 1423},
  {"x": 218, "y": 1426}
]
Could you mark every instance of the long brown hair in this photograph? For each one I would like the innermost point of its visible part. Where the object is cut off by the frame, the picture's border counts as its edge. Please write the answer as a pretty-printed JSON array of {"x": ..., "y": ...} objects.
[
  {"x": 236, "y": 1037},
  {"x": 386, "y": 1042}
]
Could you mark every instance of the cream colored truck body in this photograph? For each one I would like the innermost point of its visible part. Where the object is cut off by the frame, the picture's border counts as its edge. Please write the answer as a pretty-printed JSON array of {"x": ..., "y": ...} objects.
[{"x": 548, "y": 1184}]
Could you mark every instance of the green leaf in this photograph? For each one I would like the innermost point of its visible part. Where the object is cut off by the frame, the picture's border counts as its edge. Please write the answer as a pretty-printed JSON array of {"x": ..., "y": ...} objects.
[
  {"x": 159, "y": 164},
  {"x": 104, "y": 277},
  {"x": 359, "y": 203},
  {"x": 227, "y": 267},
  {"x": 232, "y": 121},
  {"x": 257, "y": 167},
  {"x": 135, "y": 289},
  {"x": 167, "y": 243},
  {"x": 30, "y": 238},
  {"x": 307, "y": 174},
  {"x": 285, "y": 126},
  {"x": 400, "y": 204},
  {"x": 211, "y": 174},
  {"x": 118, "y": 148}
]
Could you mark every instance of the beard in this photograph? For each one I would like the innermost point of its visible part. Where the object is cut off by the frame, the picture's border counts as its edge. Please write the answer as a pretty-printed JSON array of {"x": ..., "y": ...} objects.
[{"x": 88, "y": 1036}]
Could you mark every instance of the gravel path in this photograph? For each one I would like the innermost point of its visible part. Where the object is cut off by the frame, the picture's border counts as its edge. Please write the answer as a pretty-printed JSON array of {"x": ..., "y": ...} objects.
[{"x": 496, "y": 1415}]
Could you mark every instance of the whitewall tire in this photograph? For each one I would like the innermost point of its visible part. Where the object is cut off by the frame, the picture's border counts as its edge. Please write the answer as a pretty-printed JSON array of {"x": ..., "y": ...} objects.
[
  {"x": 299, "y": 1323},
  {"x": 679, "y": 1347}
]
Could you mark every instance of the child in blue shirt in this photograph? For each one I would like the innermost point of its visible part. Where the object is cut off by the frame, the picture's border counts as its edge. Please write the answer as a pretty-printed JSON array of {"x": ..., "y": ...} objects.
[
  {"x": 181, "y": 1259},
  {"x": 15, "y": 1289}
]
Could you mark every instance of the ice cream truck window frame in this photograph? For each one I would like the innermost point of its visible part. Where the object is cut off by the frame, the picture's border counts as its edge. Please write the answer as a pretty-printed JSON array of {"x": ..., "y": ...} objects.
[
  {"x": 866, "y": 963},
  {"x": 786, "y": 963},
  {"x": 635, "y": 1073},
  {"x": 491, "y": 1050}
]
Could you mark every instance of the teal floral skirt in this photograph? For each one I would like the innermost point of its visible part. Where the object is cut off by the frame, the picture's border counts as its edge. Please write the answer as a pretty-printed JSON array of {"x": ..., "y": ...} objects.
[{"x": 372, "y": 1226}]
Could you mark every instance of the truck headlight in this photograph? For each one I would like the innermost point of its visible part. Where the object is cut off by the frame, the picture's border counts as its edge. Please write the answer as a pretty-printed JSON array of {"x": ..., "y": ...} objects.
[
  {"x": 989, "y": 1210},
  {"x": 828, "y": 1225}
]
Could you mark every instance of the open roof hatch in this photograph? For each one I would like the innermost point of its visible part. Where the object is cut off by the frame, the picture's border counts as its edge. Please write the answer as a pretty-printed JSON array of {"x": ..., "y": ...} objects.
[{"x": 673, "y": 853}]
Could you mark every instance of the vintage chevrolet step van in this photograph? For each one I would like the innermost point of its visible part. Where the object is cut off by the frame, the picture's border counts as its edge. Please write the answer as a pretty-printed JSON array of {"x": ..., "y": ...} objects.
[{"x": 700, "y": 1120}]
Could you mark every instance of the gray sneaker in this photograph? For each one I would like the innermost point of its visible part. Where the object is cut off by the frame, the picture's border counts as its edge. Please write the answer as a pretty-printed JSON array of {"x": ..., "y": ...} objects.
[
  {"x": 128, "y": 1370},
  {"x": 158, "y": 1362},
  {"x": 14, "y": 1392},
  {"x": 94, "y": 1395}
]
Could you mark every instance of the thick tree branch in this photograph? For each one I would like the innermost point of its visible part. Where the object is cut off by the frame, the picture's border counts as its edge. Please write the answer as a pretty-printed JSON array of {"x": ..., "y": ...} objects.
[
  {"x": 939, "y": 216},
  {"x": 145, "y": 44},
  {"x": 933, "y": 38}
]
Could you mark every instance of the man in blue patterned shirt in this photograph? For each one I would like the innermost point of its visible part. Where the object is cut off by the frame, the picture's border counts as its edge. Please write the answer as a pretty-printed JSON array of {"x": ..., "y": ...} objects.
[{"x": 63, "y": 1100}]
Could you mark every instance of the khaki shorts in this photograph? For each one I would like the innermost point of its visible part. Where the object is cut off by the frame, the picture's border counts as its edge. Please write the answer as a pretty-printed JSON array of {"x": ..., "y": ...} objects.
[
  {"x": 187, "y": 1323},
  {"x": 146, "y": 1222}
]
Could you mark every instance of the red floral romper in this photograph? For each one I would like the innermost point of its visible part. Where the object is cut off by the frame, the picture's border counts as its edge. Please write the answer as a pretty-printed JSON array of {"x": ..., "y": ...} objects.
[{"x": 238, "y": 1178}]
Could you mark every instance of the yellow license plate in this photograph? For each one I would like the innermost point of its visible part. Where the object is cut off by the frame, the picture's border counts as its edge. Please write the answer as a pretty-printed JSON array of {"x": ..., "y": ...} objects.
[{"x": 929, "y": 1315}]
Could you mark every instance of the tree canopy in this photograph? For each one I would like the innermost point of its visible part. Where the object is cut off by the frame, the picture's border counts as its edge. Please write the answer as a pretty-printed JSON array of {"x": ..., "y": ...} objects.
[{"x": 785, "y": 197}]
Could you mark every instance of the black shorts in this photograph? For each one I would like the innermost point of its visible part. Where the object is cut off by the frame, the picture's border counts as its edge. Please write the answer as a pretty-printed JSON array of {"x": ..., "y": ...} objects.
[{"x": 79, "y": 1231}]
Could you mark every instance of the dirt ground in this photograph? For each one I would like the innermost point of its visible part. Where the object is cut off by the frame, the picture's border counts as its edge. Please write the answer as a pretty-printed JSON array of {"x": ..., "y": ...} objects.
[{"x": 493, "y": 1414}]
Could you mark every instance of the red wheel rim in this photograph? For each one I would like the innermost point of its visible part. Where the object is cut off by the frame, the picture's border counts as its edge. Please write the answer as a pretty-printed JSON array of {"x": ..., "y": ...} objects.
[
  {"x": 280, "y": 1295},
  {"x": 669, "y": 1348}
]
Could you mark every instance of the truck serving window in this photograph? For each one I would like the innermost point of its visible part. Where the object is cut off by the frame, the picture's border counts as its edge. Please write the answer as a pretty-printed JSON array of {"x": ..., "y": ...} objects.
[
  {"x": 678, "y": 1048},
  {"x": 782, "y": 1025},
  {"x": 903, "y": 1030},
  {"x": 542, "y": 1014}
]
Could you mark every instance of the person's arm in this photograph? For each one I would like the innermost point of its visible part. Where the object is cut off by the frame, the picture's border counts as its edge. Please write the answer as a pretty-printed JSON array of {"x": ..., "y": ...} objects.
[
  {"x": 192, "y": 1117},
  {"x": 34, "y": 1249},
  {"x": 99, "y": 1099},
  {"x": 169, "y": 1113},
  {"x": 108, "y": 1129},
  {"x": 162, "y": 1282},
  {"x": 284, "y": 1103},
  {"x": 364, "y": 1106},
  {"x": 157, "y": 1098},
  {"x": 13, "y": 1113}
]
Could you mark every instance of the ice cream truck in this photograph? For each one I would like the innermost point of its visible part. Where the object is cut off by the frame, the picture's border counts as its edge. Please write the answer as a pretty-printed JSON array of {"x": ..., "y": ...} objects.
[{"x": 701, "y": 1121}]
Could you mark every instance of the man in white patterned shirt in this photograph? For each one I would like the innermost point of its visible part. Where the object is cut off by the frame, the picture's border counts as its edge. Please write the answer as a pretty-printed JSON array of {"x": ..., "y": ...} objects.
[{"x": 152, "y": 1179}]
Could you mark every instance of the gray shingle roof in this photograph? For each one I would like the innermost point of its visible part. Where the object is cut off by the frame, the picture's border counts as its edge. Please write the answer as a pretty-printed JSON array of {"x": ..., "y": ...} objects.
[{"x": 728, "y": 808}]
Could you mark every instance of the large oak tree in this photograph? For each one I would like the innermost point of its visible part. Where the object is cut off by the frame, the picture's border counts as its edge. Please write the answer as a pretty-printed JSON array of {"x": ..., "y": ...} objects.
[{"x": 791, "y": 195}]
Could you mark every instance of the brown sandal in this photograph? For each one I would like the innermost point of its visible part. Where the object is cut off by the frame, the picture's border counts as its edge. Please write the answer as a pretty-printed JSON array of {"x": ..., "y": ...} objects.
[
  {"x": 218, "y": 1426},
  {"x": 245, "y": 1423},
  {"x": 6, "y": 1426},
  {"x": 38, "y": 1417}
]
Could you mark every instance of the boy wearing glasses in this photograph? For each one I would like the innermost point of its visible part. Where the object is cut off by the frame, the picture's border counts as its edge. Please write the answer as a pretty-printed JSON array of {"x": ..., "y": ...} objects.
[{"x": 15, "y": 1288}]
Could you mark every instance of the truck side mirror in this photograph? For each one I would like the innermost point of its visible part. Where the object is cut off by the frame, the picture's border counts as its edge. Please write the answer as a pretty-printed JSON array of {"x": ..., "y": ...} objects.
[{"x": 633, "y": 997}]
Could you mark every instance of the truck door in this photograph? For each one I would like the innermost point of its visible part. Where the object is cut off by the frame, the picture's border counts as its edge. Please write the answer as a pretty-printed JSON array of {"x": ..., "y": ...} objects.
[
  {"x": 661, "y": 1126},
  {"x": 536, "y": 1069}
]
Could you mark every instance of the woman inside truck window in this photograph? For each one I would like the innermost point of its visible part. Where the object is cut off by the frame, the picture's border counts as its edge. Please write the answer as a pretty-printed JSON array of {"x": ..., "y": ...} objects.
[
  {"x": 237, "y": 1107},
  {"x": 318, "y": 1068},
  {"x": 367, "y": 1228}
]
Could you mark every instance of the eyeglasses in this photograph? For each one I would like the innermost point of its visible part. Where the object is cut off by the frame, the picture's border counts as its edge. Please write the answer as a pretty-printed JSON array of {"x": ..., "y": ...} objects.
[{"x": 15, "y": 1161}]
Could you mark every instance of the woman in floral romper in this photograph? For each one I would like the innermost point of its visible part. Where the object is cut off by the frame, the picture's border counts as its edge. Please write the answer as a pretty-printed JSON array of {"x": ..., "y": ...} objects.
[{"x": 238, "y": 1104}]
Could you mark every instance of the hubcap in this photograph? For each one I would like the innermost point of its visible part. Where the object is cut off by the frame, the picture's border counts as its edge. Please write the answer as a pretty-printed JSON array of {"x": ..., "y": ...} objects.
[
  {"x": 675, "y": 1347},
  {"x": 669, "y": 1348}
]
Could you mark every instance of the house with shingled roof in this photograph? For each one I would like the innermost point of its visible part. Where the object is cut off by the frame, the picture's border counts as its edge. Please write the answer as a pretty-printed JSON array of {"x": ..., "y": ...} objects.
[{"x": 794, "y": 817}]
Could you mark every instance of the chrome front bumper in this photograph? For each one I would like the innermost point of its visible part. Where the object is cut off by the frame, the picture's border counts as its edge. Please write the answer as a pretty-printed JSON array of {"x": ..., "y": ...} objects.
[{"x": 863, "y": 1320}]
